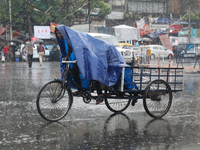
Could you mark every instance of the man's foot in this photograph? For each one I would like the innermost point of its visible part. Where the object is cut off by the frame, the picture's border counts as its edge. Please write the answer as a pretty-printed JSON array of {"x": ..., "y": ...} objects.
[
  {"x": 99, "y": 99},
  {"x": 77, "y": 93}
]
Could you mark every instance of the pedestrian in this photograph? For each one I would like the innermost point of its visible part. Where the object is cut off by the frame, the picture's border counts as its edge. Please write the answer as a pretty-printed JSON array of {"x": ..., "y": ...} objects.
[
  {"x": 137, "y": 44},
  {"x": 41, "y": 52},
  {"x": 29, "y": 49},
  {"x": 6, "y": 52}
]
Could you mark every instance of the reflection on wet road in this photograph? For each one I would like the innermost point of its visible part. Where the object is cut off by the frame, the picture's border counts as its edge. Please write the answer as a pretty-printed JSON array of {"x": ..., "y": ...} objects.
[{"x": 88, "y": 126}]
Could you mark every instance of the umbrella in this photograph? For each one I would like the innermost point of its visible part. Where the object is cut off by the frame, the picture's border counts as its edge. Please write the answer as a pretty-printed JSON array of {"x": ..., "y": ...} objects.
[
  {"x": 37, "y": 41},
  {"x": 29, "y": 43},
  {"x": 145, "y": 39}
]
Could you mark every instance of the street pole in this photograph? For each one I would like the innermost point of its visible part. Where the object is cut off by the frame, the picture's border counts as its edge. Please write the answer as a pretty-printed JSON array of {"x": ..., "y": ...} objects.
[
  {"x": 89, "y": 13},
  {"x": 189, "y": 35},
  {"x": 10, "y": 20}
]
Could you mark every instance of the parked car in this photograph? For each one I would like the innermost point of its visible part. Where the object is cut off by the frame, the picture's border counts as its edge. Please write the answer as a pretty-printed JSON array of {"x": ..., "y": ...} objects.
[
  {"x": 129, "y": 55},
  {"x": 158, "y": 49}
]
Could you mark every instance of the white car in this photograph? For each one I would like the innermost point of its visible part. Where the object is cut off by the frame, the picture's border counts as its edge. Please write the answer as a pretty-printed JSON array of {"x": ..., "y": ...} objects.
[
  {"x": 129, "y": 55},
  {"x": 158, "y": 50}
]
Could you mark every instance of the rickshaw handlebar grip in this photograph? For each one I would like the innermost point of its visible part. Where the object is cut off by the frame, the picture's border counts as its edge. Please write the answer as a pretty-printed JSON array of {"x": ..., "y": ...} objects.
[{"x": 67, "y": 62}]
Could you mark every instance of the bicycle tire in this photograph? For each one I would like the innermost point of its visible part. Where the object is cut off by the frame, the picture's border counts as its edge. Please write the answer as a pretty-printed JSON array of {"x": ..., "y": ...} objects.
[
  {"x": 157, "y": 98},
  {"x": 117, "y": 105},
  {"x": 54, "y": 101}
]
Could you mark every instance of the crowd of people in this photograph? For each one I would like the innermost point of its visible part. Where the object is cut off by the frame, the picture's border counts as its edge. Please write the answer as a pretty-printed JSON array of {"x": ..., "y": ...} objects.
[{"x": 26, "y": 54}]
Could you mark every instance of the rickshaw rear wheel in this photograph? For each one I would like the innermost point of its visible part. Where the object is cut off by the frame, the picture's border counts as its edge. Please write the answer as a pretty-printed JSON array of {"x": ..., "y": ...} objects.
[{"x": 157, "y": 98}]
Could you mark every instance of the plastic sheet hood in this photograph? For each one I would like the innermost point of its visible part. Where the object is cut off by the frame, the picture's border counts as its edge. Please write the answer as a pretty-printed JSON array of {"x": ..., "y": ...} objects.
[{"x": 97, "y": 60}]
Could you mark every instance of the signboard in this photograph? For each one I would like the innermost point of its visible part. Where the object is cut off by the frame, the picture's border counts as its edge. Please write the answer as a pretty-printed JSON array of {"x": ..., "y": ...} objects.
[
  {"x": 176, "y": 40},
  {"x": 149, "y": 52},
  {"x": 16, "y": 33},
  {"x": 175, "y": 28},
  {"x": 42, "y": 32},
  {"x": 190, "y": 48},
  {"x": 52, "y": 27},
  {"x": 2, "y": 30},
  {"x": 140, "y": 23},
  {"x": 165, "y": 41},
  {"x": 145, "y": 29},
  {"x": 94, "y": 11},
  {"x": 189, "y": 55},
  {"x": 155, "y": 27}
]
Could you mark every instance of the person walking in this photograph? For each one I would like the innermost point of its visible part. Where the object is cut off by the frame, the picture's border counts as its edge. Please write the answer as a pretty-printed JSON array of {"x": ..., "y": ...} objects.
[
  {"x": 6, "y": 52},
  {"x": 41, "y": 52},
  {"x": 29, "y": 49}
]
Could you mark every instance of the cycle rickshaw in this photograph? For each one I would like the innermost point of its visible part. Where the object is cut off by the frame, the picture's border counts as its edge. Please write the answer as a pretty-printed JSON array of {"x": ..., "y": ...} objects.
[{"x": 154, "y": 86}]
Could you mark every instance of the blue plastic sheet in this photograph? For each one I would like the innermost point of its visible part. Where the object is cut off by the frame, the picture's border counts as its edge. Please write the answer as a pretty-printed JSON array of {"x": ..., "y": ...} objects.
[{"x": 96, "y": 59}]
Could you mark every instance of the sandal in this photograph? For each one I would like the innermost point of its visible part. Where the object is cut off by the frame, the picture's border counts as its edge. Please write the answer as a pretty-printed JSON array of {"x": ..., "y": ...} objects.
[
  {"x": 77, "y": 93},
  {"x": 99, "y": 99}
]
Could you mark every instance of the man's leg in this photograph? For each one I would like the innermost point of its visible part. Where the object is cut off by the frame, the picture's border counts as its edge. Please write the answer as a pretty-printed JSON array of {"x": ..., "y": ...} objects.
[
  {"x": 40, "y": 58},
  {"x": 30, "y": 61},
  {"x": 98, "y": 87},
  {"x": 75, "y": 74},
  {"x": 99, "y": 92},
  {"x": 6, "y": 58}
]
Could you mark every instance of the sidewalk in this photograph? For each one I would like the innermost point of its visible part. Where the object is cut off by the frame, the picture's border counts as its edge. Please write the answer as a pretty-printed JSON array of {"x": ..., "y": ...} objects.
[{"x": 189, "y": 68}]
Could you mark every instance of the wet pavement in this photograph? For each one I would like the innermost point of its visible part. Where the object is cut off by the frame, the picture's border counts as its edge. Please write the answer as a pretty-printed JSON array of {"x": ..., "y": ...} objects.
[{"x": 90, "y": 126}]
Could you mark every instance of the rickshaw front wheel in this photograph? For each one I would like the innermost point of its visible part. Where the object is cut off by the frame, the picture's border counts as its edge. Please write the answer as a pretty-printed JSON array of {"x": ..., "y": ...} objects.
[
  {"x": 54, "y": 101},
  {"x": 117, "y": 104}
]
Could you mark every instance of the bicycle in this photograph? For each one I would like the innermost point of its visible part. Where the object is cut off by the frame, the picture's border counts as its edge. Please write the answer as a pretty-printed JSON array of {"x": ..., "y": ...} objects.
[{"x": 55, "y": 98}]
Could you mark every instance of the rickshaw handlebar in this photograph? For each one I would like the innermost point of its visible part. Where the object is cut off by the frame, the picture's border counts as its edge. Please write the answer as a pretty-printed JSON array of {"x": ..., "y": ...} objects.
[{"x": 67, "y": 62}]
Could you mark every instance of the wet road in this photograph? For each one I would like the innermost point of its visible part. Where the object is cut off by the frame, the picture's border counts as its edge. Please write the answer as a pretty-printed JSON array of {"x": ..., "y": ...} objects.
[{"x": 90, "y": 126}]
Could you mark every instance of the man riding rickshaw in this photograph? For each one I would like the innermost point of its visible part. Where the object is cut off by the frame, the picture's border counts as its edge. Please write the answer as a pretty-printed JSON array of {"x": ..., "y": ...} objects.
[{"x": 97, "y": 60}]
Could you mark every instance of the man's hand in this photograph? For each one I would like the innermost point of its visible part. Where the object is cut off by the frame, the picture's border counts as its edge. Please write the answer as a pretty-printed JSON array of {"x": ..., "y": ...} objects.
[{"x": 64, "y": 58}]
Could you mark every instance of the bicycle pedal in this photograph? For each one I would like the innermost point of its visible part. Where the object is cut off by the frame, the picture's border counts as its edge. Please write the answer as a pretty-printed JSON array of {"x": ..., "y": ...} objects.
[{"x": 133, "y": 102}]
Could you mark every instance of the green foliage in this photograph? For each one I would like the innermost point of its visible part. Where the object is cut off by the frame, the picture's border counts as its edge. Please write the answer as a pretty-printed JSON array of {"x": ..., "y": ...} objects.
[
  {"x": 22, "y": 8},
  {"x": 31, "y": 12},
  {"x": 4, "y": 17},
  {"x": 193, "y": 17},
  {"x": 104, "y": 7}
]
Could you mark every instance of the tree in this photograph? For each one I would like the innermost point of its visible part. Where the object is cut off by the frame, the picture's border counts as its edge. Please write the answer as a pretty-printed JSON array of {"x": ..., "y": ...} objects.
[
  {"x": 193, "y": 17},
  {"x": 28, "y": 13},
  {"x": 104, "y": 7}
]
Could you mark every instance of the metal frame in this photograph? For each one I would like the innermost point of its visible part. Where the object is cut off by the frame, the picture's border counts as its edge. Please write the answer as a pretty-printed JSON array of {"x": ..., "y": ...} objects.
[{"x": 142, "y": 76}]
